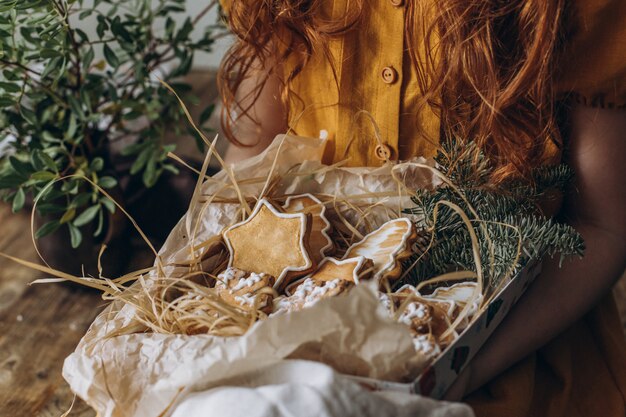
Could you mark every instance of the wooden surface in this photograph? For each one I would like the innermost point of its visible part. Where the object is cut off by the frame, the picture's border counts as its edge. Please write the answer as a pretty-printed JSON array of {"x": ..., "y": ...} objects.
[{"x": 39, "y": 326}]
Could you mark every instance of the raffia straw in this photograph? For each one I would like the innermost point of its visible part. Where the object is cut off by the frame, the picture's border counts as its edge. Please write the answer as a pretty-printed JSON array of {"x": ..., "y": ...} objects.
[
  {"x": 212, "y": 150},
  {"x": 179, "y": 305}
]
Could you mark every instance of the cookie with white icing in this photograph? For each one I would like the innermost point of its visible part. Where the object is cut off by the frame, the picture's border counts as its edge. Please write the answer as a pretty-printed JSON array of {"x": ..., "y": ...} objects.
[
  {"x": 386, "y": 247},
  {"x": 320, "y": 242},
  {"x": 351, "y": 269},
  {"x": 271, "y": 242},
  {"x": 310, "y": 291},
  {"x": 246, "y": 290}
]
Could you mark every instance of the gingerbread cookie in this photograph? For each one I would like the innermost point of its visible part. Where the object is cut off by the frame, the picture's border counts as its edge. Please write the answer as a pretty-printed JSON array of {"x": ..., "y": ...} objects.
[
  {"x": 351, "y": 269},
  {"x": 246, "y": 290},
  {"x": 319, "y": 241},
  {"x": 427, "y": 319},
  {"x": 386, "y": 247},
  {"x": 310, "y": 291},
  {"x": 271, "y": 242},
  {"x": 461, "y": 295}
]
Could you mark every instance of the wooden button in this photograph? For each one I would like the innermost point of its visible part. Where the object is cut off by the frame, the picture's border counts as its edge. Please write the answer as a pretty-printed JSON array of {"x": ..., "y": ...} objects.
[
  {"x": 390, "y": 75},
  {"x": 383, "y": 152},
  {"x": 397, "y": 3}
]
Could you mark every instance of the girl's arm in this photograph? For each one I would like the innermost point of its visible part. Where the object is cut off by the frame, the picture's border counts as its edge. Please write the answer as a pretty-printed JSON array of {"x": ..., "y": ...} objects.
[
  {"x": 596, "y": 207},
  {"x": 266, "y": 118}
]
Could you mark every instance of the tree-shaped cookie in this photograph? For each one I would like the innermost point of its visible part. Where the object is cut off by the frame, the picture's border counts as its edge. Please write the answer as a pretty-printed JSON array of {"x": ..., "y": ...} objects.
[
  {"x": 271, "y": 242},
  {"x": 387, "y": 247}
]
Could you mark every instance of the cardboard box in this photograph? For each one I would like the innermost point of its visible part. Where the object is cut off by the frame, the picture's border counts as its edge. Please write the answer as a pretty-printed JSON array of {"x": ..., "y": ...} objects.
[{"x": 439, "y": 376}]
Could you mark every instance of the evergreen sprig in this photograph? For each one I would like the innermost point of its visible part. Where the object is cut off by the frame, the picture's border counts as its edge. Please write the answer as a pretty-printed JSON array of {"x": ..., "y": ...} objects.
[{"x": 507, "y": 222}]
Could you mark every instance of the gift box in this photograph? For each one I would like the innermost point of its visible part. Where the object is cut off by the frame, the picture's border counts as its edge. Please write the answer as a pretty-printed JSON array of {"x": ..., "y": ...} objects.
[{"x": 122, "y": 366}]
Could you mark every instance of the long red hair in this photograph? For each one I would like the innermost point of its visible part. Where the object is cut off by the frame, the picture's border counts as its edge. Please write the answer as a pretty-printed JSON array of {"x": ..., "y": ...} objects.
[{"x": 488, "y": 69}]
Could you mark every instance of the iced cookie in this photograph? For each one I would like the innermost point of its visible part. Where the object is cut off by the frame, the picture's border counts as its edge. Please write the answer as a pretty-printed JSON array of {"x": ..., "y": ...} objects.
[
  {"x": 386, "y": 247},
  {"x": 244, "y": 289},
  {"x": 320, "y": 243},
  {"x": 310, "y": 291},
  {"x": 351, "y": 269},
  {"x": 465, "y": 297},
  {"x": 271, "y": 242}
]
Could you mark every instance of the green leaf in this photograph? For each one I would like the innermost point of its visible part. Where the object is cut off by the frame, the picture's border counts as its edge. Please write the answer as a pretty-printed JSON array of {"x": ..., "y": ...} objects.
[
  {"x": 43, "y": 176},
  {"x": 110, "y": 56},
  {"x": 52, "y": 65},
  {"x": 81, "y": 199},
  {"x": 76, "y": 107},
  {"x": 48, "y": 161},
  {"x": 68, "y": 216},
  {"x": 73, "y": 126},
  {"x": 84, "y": 14},
  {"x": 10, "y": 87},
  {"x": 87, "y": 216},
  {"x": 97, "y": 164},
  {"x": 88, "y": 59},
  {"x": 11, "y": 181},
  {"x": 22, "y": 168},
  {"x": 50, "y": 53},
  {"x": 141, "y": 160},
  {"x": 7, "y": 5},
  {"x": 76, "y": 237},
  {"x": 206, "y": 114},
  {"x": 109, "y": 204},
  {"x": 150, "y": 174},
  {"x": 47, "y": 229},
  {"x": 6, "y": 101},
  {"x": 28, "y": 115},
  {"x": 100, "y": 225},
  {"x": 18, "y": 200},
  {"x": 50, "y": 208},
  {"x": 107, "y": 182}
]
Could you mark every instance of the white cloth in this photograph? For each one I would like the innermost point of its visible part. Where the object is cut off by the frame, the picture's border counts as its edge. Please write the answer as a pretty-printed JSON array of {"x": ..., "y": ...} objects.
[{"x": 306, "y": 389}]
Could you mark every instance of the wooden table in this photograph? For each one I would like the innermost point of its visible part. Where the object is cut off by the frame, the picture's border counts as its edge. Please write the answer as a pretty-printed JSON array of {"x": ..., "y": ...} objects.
[{"x": 39, "y": 326}]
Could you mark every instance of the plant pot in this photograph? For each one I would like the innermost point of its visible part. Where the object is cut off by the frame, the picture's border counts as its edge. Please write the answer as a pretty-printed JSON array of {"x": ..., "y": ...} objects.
[{"x": 57, "y": 251}]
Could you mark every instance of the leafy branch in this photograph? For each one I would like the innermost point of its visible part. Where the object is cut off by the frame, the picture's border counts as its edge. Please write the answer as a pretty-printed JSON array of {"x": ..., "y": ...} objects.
[{"x": 66, "y": 96}]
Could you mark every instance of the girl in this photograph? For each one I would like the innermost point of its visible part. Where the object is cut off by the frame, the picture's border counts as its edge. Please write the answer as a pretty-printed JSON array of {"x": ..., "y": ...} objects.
[{"x": 532, "y": 82}]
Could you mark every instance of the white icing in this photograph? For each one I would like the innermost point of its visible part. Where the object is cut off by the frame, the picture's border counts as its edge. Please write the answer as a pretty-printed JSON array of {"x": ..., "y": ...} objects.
[
  {"x": 309, "y": 292},
  {"x": 385, "y": 300},
  {"x": 245, "y": 299},
  {"x": 248, "y": 282},
  {"x": 412, "y": 311},
  {"x": 373, "y": 246},
  {"x": 424, "y": 344},
  {"x": 231, "y": 274}
]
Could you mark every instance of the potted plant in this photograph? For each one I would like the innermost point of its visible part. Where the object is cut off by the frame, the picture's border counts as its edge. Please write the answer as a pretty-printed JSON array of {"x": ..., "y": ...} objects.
[{"x": 76, "y": 106}]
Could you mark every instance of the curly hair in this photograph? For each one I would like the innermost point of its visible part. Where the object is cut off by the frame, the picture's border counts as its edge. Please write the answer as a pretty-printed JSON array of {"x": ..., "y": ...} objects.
[{"x": 488, "y": 71}]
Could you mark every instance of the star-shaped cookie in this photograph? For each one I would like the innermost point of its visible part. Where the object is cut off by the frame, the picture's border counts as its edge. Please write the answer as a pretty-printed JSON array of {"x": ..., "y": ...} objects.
[
  {"x": 271, "y": 242},
  {"x": 352, "y": 269}
]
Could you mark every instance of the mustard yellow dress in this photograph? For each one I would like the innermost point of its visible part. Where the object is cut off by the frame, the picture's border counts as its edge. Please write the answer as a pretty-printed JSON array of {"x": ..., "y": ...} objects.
[{"x": 582, "y": 372}]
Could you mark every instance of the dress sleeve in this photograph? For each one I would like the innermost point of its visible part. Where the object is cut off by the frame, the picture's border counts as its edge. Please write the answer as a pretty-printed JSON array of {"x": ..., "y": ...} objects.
[{"x": 593, "y": 65}]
